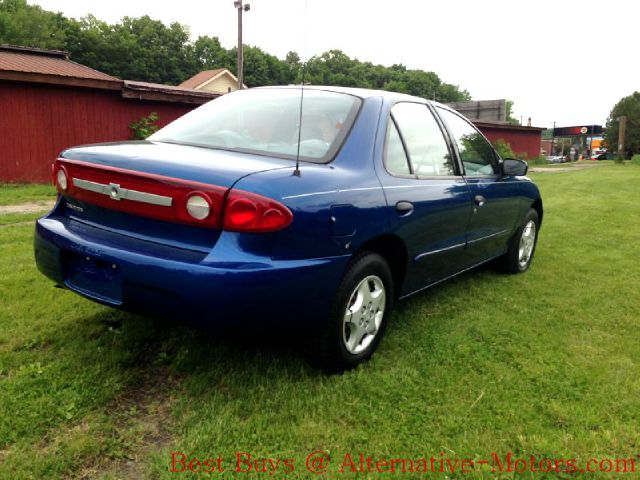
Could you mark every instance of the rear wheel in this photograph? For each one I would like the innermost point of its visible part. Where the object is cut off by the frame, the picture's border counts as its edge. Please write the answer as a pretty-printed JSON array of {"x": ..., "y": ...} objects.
[
  {"x": 358, "y": 316},
  {"x": 523, "y": 245}
]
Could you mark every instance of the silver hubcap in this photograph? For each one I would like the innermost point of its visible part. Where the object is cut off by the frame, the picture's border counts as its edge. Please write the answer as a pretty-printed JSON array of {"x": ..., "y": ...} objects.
[
  {"x": 363, "y": 316},
  {"x": 527, "y": 241}
]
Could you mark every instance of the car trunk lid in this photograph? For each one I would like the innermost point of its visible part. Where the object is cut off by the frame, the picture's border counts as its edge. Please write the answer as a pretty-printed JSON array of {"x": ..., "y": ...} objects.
[{"x": 141, "y": 189}]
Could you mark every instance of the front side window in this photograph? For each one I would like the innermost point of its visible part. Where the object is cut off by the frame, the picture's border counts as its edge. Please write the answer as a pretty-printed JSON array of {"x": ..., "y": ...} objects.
[
  {"x": 268, "y": 122},
  {"x": 426, "y": 147},
  {"x": 476, "y": 153}
]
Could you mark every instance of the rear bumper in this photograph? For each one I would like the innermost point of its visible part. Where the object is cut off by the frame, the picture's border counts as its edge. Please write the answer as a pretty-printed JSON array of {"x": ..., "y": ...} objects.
[{"x": 226, "y": 288}]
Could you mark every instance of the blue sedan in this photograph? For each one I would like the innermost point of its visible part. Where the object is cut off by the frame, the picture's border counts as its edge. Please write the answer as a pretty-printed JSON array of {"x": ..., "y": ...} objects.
[{"x": 308, "y": 209}]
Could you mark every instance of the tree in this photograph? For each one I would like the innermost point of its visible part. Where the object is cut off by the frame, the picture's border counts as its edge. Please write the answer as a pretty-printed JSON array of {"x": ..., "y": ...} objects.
[
  {"x": 135, "y": 49},
  {"x": 333, "y": 67},
  {"x": 630, "y": 107},
  {"x": 210, "y": 54},
  {"x": 336, "y": 68},
  {"x": 262, "y": 68},
  {"x": 511, "y": 120},
  {"x": 293, "y": 66},
  {"x": 422, "y": 84},
  {"x": 30, "y": 25},
  {"x": 147, "y": 50}
]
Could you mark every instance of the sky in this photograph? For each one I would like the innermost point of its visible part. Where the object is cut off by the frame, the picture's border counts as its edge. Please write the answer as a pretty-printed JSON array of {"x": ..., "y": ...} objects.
[{"x": 563, "y": 61}]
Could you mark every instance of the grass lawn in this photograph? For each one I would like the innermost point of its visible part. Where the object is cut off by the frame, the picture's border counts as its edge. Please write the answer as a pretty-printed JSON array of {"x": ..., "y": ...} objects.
[
  {"x": 15, "y": 218},
  {"x": 16, "y": 193},
  {"x": 546, "y": 364},
  {"x": 578, "y": 163}
]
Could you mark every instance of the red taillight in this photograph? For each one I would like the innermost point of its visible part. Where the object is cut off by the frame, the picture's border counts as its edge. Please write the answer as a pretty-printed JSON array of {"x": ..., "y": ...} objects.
[
  {"x": 240, "y": 213},
  {"x": 248, "y": 212}
]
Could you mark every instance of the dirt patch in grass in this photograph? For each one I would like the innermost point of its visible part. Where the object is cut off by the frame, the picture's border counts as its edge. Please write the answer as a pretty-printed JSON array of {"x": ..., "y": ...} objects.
[
  {"x": 29, "y": 207},
  {"x": 142, "y": 415}
]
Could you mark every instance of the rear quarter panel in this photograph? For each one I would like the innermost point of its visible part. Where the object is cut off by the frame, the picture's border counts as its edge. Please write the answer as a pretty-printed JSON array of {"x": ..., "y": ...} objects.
[{"x": 336, "y": 206}]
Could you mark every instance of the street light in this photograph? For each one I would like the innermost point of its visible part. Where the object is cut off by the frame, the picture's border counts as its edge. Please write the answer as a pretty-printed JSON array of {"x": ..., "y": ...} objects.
[{"x": 241, "y": 8}]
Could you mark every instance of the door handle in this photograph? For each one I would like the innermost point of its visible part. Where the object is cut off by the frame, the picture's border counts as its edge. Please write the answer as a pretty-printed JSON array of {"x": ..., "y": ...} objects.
[
  {"x": 479, "y": 200},
  {"x": 404, "y": 208}
]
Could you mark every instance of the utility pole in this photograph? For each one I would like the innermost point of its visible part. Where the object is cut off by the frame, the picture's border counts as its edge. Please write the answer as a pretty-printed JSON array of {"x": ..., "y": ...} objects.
[
  {"x": 553, "y": 137},
  {"x": 622, "y": 127},
  {"x": 241, "y": 8}
]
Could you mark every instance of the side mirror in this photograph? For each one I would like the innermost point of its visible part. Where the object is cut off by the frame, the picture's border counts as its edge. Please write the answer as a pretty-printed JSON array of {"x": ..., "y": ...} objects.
[{"x": 512, "y": 167}]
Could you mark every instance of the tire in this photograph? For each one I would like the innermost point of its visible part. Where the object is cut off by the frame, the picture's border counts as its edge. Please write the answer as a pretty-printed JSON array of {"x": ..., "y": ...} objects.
[
  {"x": 522, "y": 245},
  {"x": 358, "y": 318}
]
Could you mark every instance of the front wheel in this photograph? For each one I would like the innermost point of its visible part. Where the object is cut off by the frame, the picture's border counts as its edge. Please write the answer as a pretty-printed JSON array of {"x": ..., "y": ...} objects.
[
  {"x": 523, "y": 245},
  {"x": 358, "y": 317}
]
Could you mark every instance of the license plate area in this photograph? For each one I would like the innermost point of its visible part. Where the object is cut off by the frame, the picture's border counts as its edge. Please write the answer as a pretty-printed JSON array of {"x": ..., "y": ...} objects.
[{"x": 94, "y": 278}]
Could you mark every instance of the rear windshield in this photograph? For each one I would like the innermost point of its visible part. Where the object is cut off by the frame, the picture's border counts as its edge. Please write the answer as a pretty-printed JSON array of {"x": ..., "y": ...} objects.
[{"x": 267, "y": 122}]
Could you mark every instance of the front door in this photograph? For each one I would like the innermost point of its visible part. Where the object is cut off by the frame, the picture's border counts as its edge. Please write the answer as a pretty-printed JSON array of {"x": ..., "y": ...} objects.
[{"x": 495, "y": 204}]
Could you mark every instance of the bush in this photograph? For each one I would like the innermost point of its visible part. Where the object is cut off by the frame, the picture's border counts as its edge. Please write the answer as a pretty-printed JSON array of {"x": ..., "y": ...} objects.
[
  {"x": 144, "y": 127},
  {"x": 503, "y": 148},
  {"x": 635, "y": 160},
  {"x": 539, "y": 160}
]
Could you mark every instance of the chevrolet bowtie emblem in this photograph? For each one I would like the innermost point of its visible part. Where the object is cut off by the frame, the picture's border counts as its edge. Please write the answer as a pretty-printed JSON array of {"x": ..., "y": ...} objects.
[{"x": 114, "y": 191}]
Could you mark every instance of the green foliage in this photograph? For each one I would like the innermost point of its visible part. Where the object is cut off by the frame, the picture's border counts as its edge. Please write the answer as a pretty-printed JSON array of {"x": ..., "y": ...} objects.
[
  {"x": 261, "y": 68},
  {"x": 503, "y": 148},
  {"x": 144, "y": 127},
  {"x": 31, "y": 26},
  {"x": 629, "y": 106},
  {"x": 147, "y": 50},
  {"x": 209, "y": 54},
  {"x": 135, "y": 49},
  {"x": 539, "y": 160},
  {"x": 511, "y": 120},
  {"x": 336, "y": 68},
  {"x": 635, "y": 159}
]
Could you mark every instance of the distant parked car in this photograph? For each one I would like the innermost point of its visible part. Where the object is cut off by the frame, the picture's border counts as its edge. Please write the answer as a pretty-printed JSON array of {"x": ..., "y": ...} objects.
[
  {"x": 311, "y": 211},
  {"x": 556, "y": 159},
  {"x": 599, "y": 156}
]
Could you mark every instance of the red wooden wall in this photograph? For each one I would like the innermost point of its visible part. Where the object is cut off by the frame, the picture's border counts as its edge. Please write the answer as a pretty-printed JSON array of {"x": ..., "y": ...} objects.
[
  {"x": 38, "y": 122},
  {"x": 523, "y": 143}
]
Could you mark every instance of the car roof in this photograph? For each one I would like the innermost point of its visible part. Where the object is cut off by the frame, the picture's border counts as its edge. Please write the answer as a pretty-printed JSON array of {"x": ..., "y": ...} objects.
[{"x": 360, "y": 92}]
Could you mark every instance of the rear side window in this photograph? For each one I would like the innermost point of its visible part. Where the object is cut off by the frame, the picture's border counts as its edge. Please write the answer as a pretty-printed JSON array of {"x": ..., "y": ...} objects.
[
  {"x": 476, "y": 153},
  {"x": 425, "y": 144},
  {"x": 395, "y": 158}
]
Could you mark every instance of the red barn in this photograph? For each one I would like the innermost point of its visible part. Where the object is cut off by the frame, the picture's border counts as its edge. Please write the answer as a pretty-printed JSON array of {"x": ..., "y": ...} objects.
[
  {"x": 50, "y": 103},
  {"x": 525, "y": 142}
]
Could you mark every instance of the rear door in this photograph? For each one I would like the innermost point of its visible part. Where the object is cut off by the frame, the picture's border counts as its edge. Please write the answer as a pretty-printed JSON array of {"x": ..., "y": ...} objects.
[
  {"x": 428, "y": 201},
  {"x": 495, "y": 197}
]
